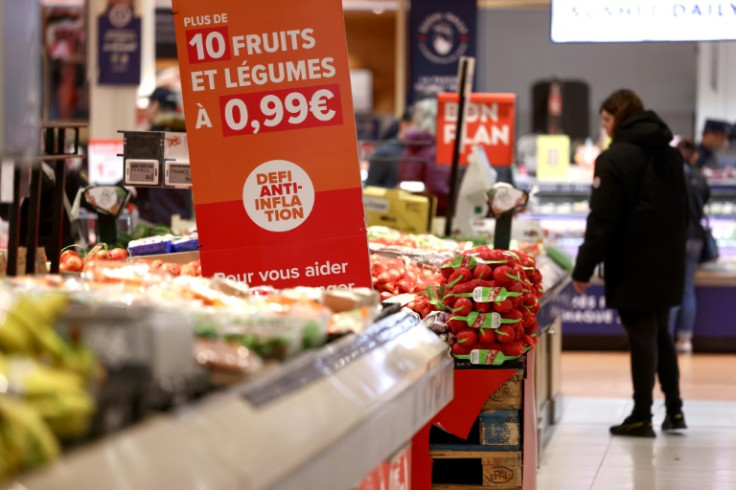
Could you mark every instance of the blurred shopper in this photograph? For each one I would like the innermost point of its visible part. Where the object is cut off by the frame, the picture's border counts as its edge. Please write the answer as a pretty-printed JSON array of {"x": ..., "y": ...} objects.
[
  {"x": 163, "y": 111},
  {"x": 157, "y": 206},
  {"x": 419, "y": 158},
  {"x": 715, "y": 138},
  {"x": 383, "y": 170},
  {"x": 637, "y": 228},
  {"x": 682, "y": 318},
  {"x": 727, "y": 157}
]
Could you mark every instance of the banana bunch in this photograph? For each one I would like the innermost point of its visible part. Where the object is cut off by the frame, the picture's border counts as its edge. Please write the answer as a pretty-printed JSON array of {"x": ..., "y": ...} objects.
[
  {"x": 59, "y": 397},
  {"x": 43, "y": 381},
  {"x": 27, "y": 327},
  {"x": 26, "y": 442},
  {"x": 27, "y": 324},
  {"x": 78, "y": 359}
]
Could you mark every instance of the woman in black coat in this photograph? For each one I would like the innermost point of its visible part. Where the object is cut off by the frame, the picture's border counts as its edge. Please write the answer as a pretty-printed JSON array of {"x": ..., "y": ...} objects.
[{"x": 637, "y": 228}]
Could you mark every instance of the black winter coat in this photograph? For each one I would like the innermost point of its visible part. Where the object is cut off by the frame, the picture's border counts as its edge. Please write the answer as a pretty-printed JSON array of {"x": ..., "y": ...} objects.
[
  {"x": 638, "y": 218},
  {"x": 699, "y": 195}
]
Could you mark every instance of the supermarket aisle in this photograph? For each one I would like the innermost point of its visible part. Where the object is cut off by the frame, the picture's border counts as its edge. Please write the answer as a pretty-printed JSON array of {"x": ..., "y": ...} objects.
[{"x": 582, "y": 455}]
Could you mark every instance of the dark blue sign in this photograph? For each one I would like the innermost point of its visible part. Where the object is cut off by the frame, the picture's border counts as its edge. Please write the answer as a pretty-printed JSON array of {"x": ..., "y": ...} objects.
[
  {"x": 441, "y": 32},
  {"x": 588, "y": 315},
  {"x": 119, "y": 46}
]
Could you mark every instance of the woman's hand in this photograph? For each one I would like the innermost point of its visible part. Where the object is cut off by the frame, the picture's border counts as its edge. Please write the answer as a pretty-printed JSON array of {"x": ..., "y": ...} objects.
[{"x": 580, "y": 286}]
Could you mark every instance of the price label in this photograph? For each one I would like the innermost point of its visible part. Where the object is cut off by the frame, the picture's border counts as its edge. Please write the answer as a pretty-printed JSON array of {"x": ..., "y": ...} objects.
[
  {"x": 376, "y": 204},
  {"x": 178, "y": 174},
  {"x": 142, "y": 172},
  {"x": 495, "y": 320},
  {"x": 281, "y": 110}
]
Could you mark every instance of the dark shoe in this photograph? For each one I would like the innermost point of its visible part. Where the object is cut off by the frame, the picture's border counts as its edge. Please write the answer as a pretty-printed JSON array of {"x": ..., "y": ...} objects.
[
  {"x": 674, "y": 421},
  {"x": 634, "y": 428}
]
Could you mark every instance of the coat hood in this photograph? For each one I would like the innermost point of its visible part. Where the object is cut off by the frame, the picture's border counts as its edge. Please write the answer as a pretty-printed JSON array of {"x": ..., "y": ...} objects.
[{"x": 645, "y": 129}]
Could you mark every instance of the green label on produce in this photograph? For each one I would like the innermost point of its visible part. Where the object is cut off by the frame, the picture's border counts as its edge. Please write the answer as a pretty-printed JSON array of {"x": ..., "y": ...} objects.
[
  {"x": 489, "y": 357},
  {"x": 489, "y": 295}
]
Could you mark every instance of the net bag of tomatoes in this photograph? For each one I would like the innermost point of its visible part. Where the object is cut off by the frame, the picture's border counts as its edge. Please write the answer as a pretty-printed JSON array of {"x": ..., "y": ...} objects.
[
  {"x": 395, "y": 276},
  {"x": 490, "y": 299}
]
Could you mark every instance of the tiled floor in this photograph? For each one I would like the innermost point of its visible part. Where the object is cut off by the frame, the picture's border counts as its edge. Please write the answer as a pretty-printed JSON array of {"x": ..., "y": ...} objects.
[{"x": 582, "y": 455}]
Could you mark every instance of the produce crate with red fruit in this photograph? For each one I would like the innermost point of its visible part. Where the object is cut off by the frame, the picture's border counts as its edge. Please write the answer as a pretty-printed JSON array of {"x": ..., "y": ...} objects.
[
  {"x": 71, "y": 260},
  {"x": 394, "y": 276},
  {"x": 485, "y": 307}
]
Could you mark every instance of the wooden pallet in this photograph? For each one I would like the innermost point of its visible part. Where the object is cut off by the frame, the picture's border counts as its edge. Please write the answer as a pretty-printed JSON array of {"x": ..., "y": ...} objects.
[
  {"x": 490, "y": 458},
  {"x": 508, "y": 396},
  {"x": 481, "y": 469},
  {"x": 498, "y": 430}
]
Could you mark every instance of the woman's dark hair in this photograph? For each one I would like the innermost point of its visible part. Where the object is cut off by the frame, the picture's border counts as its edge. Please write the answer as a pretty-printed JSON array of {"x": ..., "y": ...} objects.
[
  {"x": 687, "y": 149},
  {"x": 622, "y": 104}
]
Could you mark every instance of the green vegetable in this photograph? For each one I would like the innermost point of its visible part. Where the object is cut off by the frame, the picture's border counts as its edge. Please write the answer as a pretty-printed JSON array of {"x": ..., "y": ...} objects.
[
  {"x": 141, "y": 231},
  {"x": 160, "y": 230},
  {"x": 206, "y": 331},
  {"x": 560, "y": 258},
  {"x": 312, "y": 336}
]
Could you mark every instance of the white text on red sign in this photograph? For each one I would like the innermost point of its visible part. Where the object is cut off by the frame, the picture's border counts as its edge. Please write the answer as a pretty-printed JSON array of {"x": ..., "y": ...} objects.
[{"x": 488, "y": 132}]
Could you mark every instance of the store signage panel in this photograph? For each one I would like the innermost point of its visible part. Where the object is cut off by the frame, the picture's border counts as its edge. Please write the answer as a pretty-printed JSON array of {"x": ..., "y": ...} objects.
[
  {"x": 553, "y": 157},
  {"x": 103, "y": 161},
  {"x": 589, "y": 315},
  {"x": 119, "y": 45},
  {"x": 272, "y": 141},
  {"x": 489, "y": 123},
  {"x": 441, "y": 33},
  {"x": 644, "y": 20}
]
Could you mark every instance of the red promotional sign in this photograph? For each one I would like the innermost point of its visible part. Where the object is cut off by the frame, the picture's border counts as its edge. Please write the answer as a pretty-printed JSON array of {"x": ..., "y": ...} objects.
[
  {"x": 400, "y": 470},
  {"x": 272, "y": 142},
  {"x": 394, "y": 474},
  {"x": 489, "y": 123},
  {"x": 377, "y": 479}
]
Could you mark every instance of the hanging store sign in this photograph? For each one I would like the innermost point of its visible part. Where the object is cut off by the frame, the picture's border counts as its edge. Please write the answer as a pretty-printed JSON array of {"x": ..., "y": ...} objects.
[
  {"x": 553, "y": 157},
  {"x": 441, "y": 33},
  {"x": 489, "y": 123},
  {"x": 104, "y": 164},
  {"x": 272, "y": 142},
  {"x": 119, "y": 45},
  {"x": 642, "y": 20}
]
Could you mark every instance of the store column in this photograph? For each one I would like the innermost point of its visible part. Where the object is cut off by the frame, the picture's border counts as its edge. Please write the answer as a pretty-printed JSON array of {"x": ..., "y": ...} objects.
[
  {"x": 115, "y": 91},
  {"x": 716, "y": 83}
]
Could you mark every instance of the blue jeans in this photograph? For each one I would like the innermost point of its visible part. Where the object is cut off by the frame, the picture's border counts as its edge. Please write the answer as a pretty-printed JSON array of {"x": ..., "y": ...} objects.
[{"x": 682, "y": 318}]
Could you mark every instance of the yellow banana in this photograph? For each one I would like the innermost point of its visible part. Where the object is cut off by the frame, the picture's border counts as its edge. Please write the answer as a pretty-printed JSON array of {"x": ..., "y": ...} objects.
[
  {"x": 28, "y": 441},
  {"x": 14, "y": 336},
  {"x": 38, "y": 316},
  {"x": 79, "y": 360}
]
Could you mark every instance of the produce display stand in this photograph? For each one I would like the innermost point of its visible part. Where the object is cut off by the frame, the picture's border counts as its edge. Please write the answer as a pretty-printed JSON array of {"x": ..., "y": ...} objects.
[
  {"x": 323, "y": 420},
  {"x": 501, "y": 417}
]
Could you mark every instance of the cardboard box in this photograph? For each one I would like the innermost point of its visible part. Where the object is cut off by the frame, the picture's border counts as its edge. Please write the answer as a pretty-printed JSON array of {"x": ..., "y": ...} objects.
[
  {"x": 41, "y": 261},
  {"x": 398, "y": 209}
]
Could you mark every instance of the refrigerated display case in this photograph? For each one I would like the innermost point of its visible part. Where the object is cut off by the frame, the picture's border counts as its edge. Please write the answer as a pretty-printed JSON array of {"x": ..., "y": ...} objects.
[
  {"x": 322, "y": 420},
  {"x": 561, "y": 209}
]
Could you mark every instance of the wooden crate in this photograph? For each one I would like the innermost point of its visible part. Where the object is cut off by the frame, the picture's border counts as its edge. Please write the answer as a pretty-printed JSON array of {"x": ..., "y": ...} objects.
[
  {"x": 497, "y": 430},
  {"x": 501, "y": 429},
  {"x": 491, "y": 469},
  {"x": 508, "y": 396}
]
